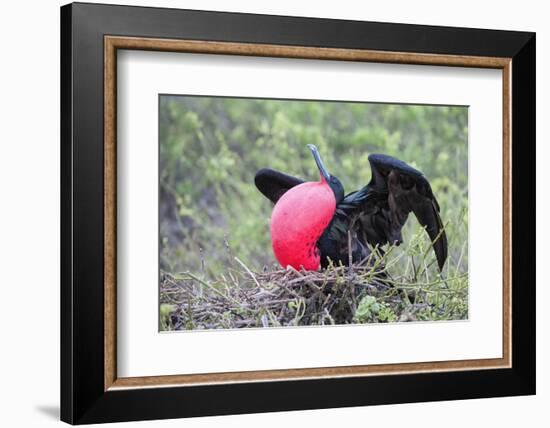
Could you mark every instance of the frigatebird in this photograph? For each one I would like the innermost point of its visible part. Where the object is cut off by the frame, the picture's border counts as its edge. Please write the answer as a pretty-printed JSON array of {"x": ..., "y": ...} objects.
[{"x": 312, "y": 222}]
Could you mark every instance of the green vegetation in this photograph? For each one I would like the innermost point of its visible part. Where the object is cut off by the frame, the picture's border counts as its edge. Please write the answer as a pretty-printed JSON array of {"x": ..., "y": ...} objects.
[{"x": 211, "y": 212}]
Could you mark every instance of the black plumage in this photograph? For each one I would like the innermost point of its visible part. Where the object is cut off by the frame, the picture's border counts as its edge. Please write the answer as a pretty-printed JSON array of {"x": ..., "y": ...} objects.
[{"x": 375, "y": 214}]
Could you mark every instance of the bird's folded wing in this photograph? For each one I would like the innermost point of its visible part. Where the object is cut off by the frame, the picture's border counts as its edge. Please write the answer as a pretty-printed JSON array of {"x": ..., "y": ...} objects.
[{"x": 274, "y": 184}]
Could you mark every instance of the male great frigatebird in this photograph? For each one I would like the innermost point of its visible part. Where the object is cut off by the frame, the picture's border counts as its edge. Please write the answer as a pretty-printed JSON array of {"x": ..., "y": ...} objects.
[{"x": 310, "y": 221}]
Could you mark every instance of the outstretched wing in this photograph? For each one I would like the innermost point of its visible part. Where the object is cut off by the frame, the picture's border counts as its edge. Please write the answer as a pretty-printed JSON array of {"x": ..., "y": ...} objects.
[
  {"x": 383, "y": 206},
  {"x": 274, "y": 184}
]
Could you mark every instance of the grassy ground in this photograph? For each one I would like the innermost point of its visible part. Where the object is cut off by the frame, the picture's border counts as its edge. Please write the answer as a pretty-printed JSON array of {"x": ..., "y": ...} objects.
[{"x": 399, "y": 286}]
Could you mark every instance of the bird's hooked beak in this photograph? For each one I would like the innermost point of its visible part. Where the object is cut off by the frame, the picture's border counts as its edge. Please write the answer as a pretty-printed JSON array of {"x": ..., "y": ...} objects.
[{"x": 319, "y": 162}]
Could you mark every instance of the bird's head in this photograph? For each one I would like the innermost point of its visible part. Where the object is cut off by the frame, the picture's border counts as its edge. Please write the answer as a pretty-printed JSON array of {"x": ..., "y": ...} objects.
[{"x": 331, "y": 180}]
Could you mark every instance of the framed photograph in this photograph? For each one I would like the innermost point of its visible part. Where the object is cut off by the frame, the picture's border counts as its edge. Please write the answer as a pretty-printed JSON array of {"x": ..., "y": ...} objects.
[{"x": 265, "y": 213}]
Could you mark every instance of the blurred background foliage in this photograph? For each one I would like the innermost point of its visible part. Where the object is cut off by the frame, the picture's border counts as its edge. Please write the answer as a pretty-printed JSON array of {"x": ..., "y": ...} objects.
[{"x": 210, "y": 149}]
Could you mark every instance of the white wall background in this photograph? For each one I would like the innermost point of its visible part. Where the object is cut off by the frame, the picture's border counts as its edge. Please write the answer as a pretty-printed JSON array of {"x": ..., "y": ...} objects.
[{"x": 29, "y": 213}]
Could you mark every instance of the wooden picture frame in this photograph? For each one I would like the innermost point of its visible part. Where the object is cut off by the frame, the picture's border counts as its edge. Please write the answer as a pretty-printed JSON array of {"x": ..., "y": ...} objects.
[{"x": 91, "y": 390}]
